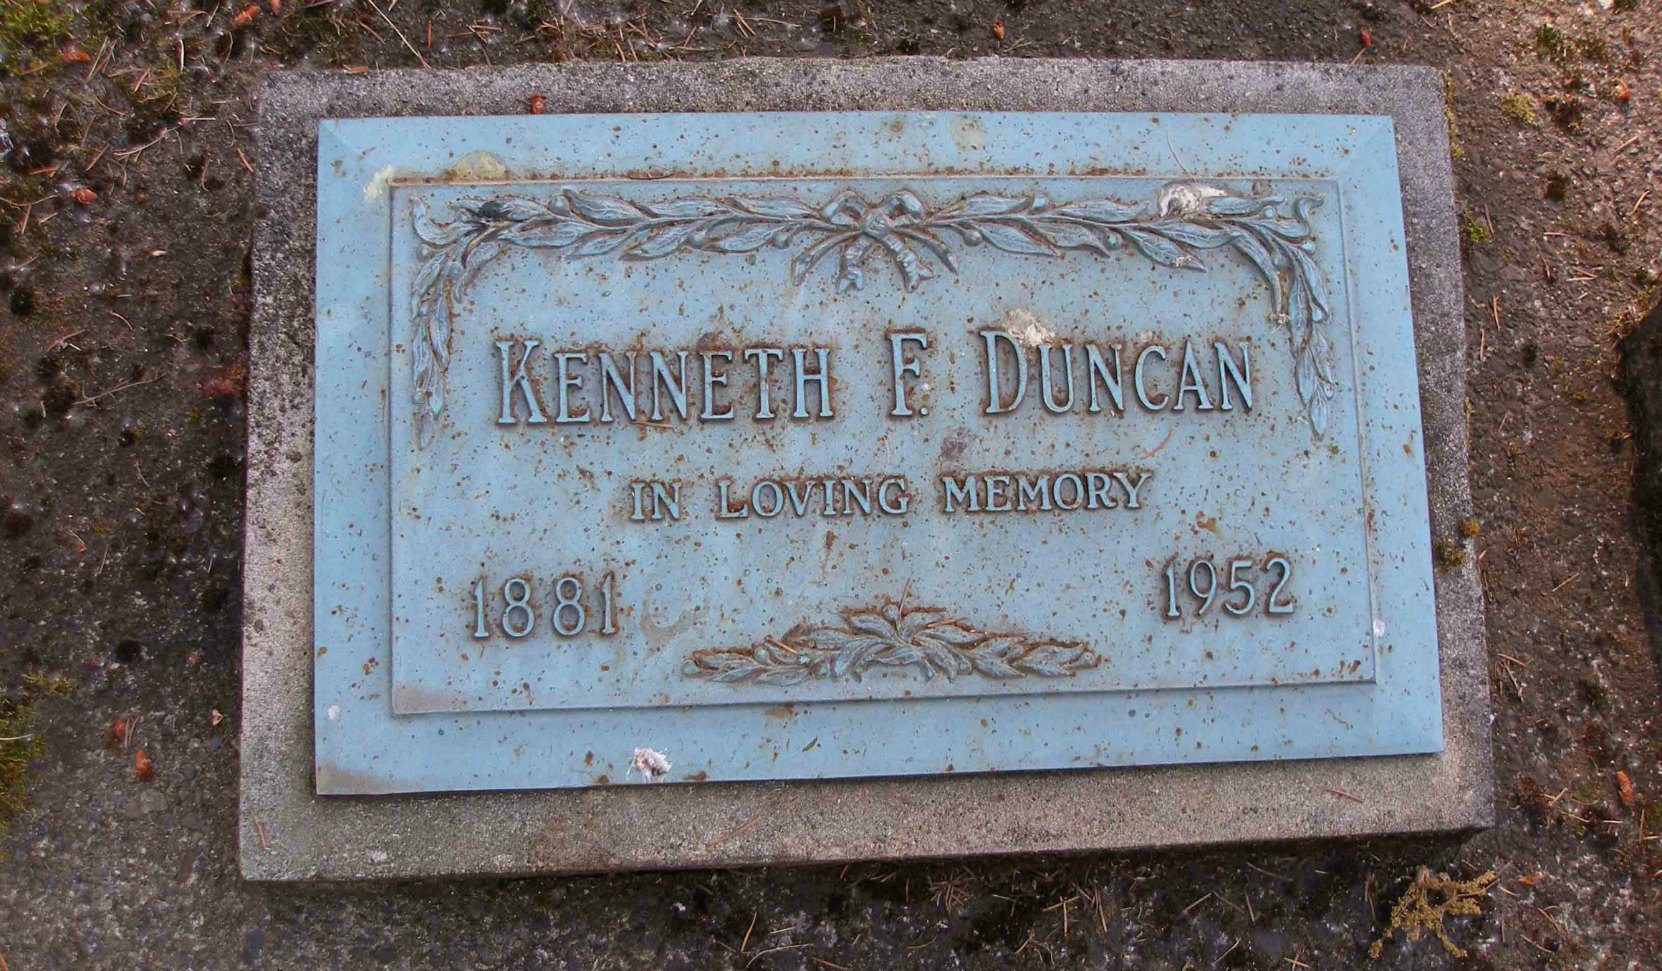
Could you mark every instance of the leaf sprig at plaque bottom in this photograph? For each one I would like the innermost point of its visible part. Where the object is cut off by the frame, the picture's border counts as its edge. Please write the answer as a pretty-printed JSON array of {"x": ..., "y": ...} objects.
[
  {"x": 899, "y": 229},
  {"x": 891, "y": 635}
]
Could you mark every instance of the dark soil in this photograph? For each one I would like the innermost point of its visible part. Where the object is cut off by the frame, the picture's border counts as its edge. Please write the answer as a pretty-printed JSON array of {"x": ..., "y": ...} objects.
[{"x": 125, "y": 215}]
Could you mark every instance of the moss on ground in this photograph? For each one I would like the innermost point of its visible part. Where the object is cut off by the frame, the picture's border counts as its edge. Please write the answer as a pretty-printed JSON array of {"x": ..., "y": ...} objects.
[
  {"x": 21, "y": 738},
  {"x": 1454, "y": 148},
  {"x": 31, "y": 31},
  {"x": 1416, "y": 912},
  {"x": 1551, "y": 44},
  {"x": 1474, "y": 231},
  {"x": 40, "y": 38},
  {"x": 20, "y": 743},
  {"x": 1520, "y": 108},
  {"x": 1449, "y": 554}
]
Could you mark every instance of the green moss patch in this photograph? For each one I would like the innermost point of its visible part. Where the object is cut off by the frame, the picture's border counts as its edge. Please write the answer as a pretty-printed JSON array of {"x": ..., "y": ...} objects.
[
  {"x": 1520, "y": 108},
  {"x": 32, "y": 31},
  {"x": 20, "y": 743}
]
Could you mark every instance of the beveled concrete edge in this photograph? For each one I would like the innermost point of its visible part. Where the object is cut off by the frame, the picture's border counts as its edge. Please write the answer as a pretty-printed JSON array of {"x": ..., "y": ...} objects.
[{"x": 286, "y": 832}]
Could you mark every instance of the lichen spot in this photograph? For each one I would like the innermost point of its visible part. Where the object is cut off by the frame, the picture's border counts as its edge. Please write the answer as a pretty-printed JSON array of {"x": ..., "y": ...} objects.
[{"x": 478, "y": 167}]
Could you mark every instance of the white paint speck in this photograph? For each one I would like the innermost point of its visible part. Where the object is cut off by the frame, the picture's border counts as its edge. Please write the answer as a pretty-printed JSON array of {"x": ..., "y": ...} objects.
[
  {"x": 649, "y": 764},
  {"x": 1025, "y": 326},
  {"x": 376, "y": 190},
  {"x": 1379, "y": 627},
  {"x": 378, "y": 857},
  {"x": 333, "y": 714},
  {"x": 1186, "y": 198}
]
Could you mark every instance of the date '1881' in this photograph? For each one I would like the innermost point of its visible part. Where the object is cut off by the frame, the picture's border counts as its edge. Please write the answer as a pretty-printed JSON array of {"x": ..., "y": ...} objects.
[{"x": 573, "y": 611}]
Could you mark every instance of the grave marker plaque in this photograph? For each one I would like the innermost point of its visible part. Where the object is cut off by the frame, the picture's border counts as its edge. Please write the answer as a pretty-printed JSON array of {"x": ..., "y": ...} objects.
[{"x": 730, "y": 447}]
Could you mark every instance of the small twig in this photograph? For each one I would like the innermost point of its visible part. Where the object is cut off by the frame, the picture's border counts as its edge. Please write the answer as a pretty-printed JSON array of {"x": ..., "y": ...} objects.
[
  {"x": 1343, "y": 794},
  {"x": 744, "y": 945},
  {"x": 18, "y": 738},
  {"x": 259, "y": 831},
  {"x": 124, "y": 387},
  {"x": 1151, "y": 452},
  {"x": 400, "y": 34},
  {"x": 125, "y": 153},
  {"x": 58, "y": 342},
  {"x": 771, "y": 950},
  {"x": 93, "y": 67},
  {"x": 132, "y": 732},
  {"x": 1173, "y": 150},
  {"x": 1543, "y": 912},
  {"x": 25, "y": 205},
  {"x": 1232, "y": 905},
  {"x": 735, "y": 833},
  {"x": 1269, "y": 873}
]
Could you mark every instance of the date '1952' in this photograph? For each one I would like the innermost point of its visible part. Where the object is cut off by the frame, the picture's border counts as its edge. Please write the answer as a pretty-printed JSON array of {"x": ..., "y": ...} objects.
[{"x": 1239, "y": 586}]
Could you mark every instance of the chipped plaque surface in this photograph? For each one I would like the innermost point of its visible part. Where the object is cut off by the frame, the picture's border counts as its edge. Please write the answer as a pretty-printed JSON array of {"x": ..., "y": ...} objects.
[{"x": 816, "y": 445}]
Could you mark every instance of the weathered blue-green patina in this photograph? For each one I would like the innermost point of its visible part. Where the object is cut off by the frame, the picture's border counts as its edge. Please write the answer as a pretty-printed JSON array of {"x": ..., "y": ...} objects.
[{"x": 814, "y": 445}]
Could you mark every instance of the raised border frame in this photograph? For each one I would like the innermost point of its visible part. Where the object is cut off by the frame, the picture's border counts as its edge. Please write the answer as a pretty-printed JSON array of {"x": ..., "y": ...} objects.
[{"x": 288, "y": 832}]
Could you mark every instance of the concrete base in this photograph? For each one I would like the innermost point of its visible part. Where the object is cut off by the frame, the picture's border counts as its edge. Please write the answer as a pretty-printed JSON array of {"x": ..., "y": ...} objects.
[{"x": 289, "y": 833}]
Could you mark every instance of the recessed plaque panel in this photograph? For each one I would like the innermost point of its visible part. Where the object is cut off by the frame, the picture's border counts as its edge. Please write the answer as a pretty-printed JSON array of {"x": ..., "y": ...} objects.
[{"x": 816, "y": 445}]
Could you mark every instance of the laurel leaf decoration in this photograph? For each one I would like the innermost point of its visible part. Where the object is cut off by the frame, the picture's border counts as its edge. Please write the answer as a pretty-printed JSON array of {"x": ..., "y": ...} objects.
[{"x": 891, "y": 635}]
